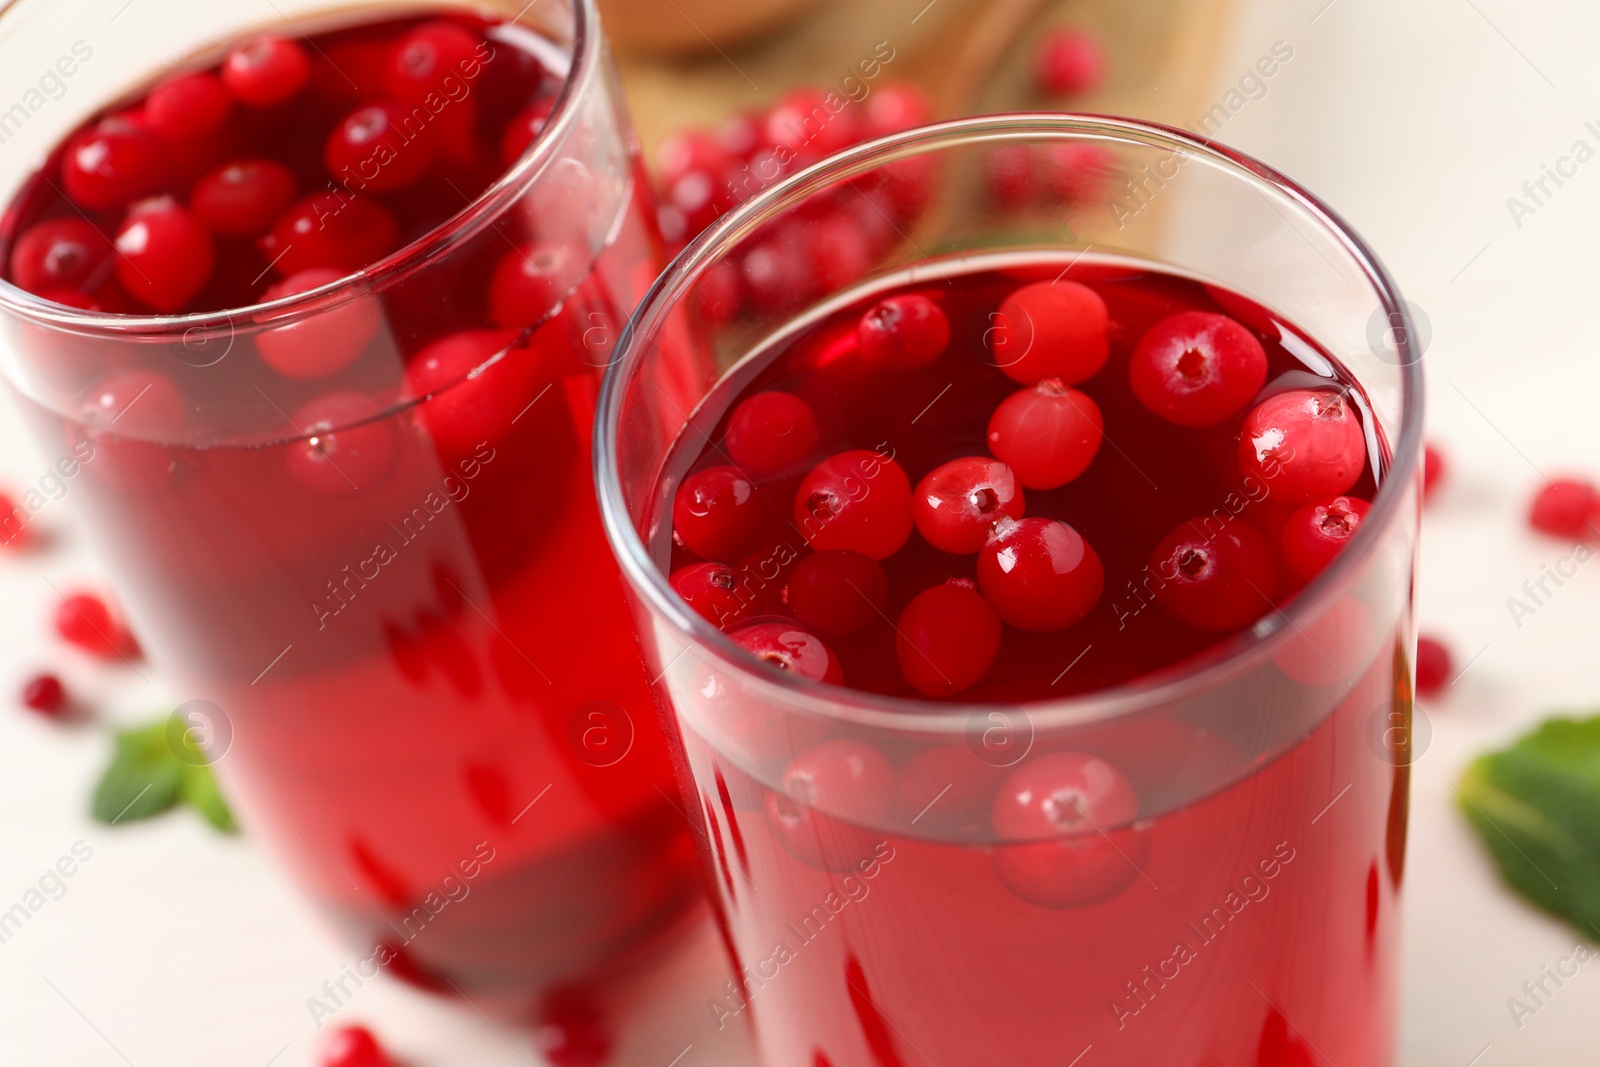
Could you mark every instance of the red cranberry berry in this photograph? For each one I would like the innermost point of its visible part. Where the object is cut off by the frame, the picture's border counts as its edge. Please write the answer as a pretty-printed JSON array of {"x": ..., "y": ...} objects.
[
  {"x": 830, "y": 798},
  {"x": 1051, "y": 330},
  {"x": 1196, "y": 368},
  {"x": 1065, "y": 810},
  {"x": 353, "y": 1046},
  {"x": 1047, "y": 435},
  {"x": 1433, "y": 471},
  {"x": 347, "y": 449},
  {"x": 188, "y": 106},
  {"x": 44, "y": 694},
  {"x": 788, "y": 648},
  {"x": 1333, "y": 648},
  {"x": 164, "y": 255},
  {"x": 529, "y": 283},
  {"x": 325, "y": 343},
  {"x": 771, "y": 432},
  {"x": 1069, "y": 62},
  {"x": 903, "y": 332},
  {"x": 956, "y": 505},
  {"x": 840, "y": 250},
  {"x": 1040, "y": 574},
  {"x": 1214, "y": 578},
  {"x": 1077, "y": 171},
  {"x": 740, "y": 134},
  {"x": 58, "y": 254},
  {"x": 476, "y": 385},
  {"x": 720, "y": 293},
  {"x": 572, "y": 1031},
  {"x": 1304, "y": 445},
  {"x": 721, "y": 514},
  {"x": 838, "y": 592},
  {"x": 427, "y": 56},
  {"x": 327, "y": 230},
  {"x": 860, "y": 500},
  {"x": 1317, "y": 532},
  {"x": 802, "y": 122},
  {"x": 1564, "y": 508},
  {"x": 372, "y": 148},
  {"x": 690, "y": 150},
  {"x": 13, "y": 524},
  {"x": 84, "y": 620},
  {"x": 266, "y": 70},
  {"x": 113, "y": 163},
  {"x": 712, "y": 590},
  {"x": 522, "y": 129},
  {"x": 947, "y": 639},
  {"x": 125, "y": 416},
  {"x": 242, "y": 198},
  {"x": 895, "y": 109},
  {"x": 1434, "y": 667},
  {"x": 1011, "y": 176},
  {"x": 777, "y": 273}
]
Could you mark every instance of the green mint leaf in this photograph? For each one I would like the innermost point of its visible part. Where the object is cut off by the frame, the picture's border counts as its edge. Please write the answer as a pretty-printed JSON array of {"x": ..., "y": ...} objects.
[
  {"x": 1537, "y": 807},
  {"x": 143, "y": 779},
  {"x": 200, "y": 793}
]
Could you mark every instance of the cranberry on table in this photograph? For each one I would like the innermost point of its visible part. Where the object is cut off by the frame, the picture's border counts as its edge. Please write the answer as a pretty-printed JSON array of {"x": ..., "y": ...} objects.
[
  {"x": 353, "y": 1046},
  {"x": 1197, "y": 368},
  {"x": 572, "y": 1031},
  {"x": 1047, "y": 435},
  {"x": 788, "y": 648},
  {"x": 1304, "y": 445},
  {"x": 947, "y": 639},
  {"x": 1433, "y": 470},
  {"x": 266, "y": 70},
  {"x": 903, "y": 332},
  {"x": 347, "y": 449},
  {"x": 837, "y": 592},
  {"x": 1040, "y": 574},
  {"x": 242, "y": 198},
  {"x": 1564, "y": 507},
  {"x": 529, "y": 282},
  {"x": 476, "y": 384},
  {"x": 1069, "y": 62},
  {"x": 428, "y": 55},
  {"x": 113, "y": 163},
  {"x": 372, "y": 145},
  {"x": 1069, "y": 812},
  {"x": 858, "y": 499},
  {"x": 1317, "y": 532},
  {"x": 45, "y": 694},
  {"x": 326, "y": 342},
  {"x": 1051, "y": 330},
  {"x": 720, "y": 514},
  {"x": 829, "y": 801},
  {"x": 327, "y": 230},
  {"x": 84, "y": 620},
  {"x": 164, "y": 255},
  {"x": 712, "y": 590},
  {"x": 188, "y": 106},
  {"x": 1434, "y": 665},
  {"x": 58, "y": 254},
  {"x": 957, "y": 504},
  {"x": 771, "y": 432},
  {"x": 1215, "y": 577},
  {"x": 14, "y": 531}
]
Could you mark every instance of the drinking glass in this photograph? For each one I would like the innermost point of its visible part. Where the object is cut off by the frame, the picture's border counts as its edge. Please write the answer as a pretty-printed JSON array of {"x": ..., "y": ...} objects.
[
  {"x": 392, "y": 617},
  {"x": 1247, "y": 913}
]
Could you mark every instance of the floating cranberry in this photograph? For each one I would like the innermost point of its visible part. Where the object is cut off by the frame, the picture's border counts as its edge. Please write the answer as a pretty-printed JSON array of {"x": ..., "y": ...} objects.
[
  {"x": 1332, "y": 649},
  {"x": 1317, "y": 532},
  {"x": 831, "y": 796},
  {"x": 1011, "y": 176},
  {"x": 45, "y": 694},
  {"x": 957, "y": 504},
  {"x": 353, "y": 1046},
  {"x": 860, "y": 500},
  {"x": 572, "y": 1031},
  {"x": 1040, "y": 574},
  {"x": 1069, "y": 62},
  {"x": 379, "y": 146},
  {"x": 521, "y": 130},
  {"x": 1051, "y": 330},
  {"x": 476, "y": 384},
  {"x": 113, "y": 163},
  {"x": 712, "y": 590},
  {"x": 1070, "y": 810},
  {"x": 1434, "y": 666},
  {"x": 947, "y": 639},
  {"x": 838, "y": 592},
  {"x": 529, "y": 283},
  {"x": 721, "y": 514},
  {"x": 1564, "y": 508},
  {"x": 720, "y": 292},
  {"x": 429, "y": 55},
  {"x": 1304, "y": 445},
  {"x": 1215, "y": 577},
  {"x": 266, "y": 70},
  {"x": 839, "y": 249},
  {"x": 903, "y": 332},
  {"x": 947, "y": 792},
  {"x": 895, "y": 109},
  {"x": 1047, "y": 435},
  {"x": 777, "y": 274},
  {"x": 58, "y": 254},
  {"x": 802, "y": 123},
  {"x": 771, "y": 432},
  {"x": 326, "y": 342},
  {"x": 330, "y": 230},
  {"x": 188, "y": 106},
  {"x": 789, "y": 648},
  {"x": 347, "y": 448},
  {"x": 1196, "y": 368},
  {"x": 84, "y": 620},
  {"x": 1433, "y": 471},
  {"x": 242, "y": 198},
  {"x": 164, "y": 255}
]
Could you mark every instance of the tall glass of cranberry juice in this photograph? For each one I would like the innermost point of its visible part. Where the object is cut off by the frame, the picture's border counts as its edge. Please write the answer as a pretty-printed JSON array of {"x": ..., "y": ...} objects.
[
  {"x": 319, "y": 318},
  {"x": 1030, "y": 583}
]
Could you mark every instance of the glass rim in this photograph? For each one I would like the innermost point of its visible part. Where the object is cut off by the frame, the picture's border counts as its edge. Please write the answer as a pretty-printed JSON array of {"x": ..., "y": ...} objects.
[
  {"x": 488, "y": 205},
  {"x": 1207, "y": 671}
]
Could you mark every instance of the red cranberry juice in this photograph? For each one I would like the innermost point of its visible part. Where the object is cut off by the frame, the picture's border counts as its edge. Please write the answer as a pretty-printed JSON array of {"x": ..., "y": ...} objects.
[
  {"x": 371, "y": 539},
  {"x": 1007, "y": 483}
]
